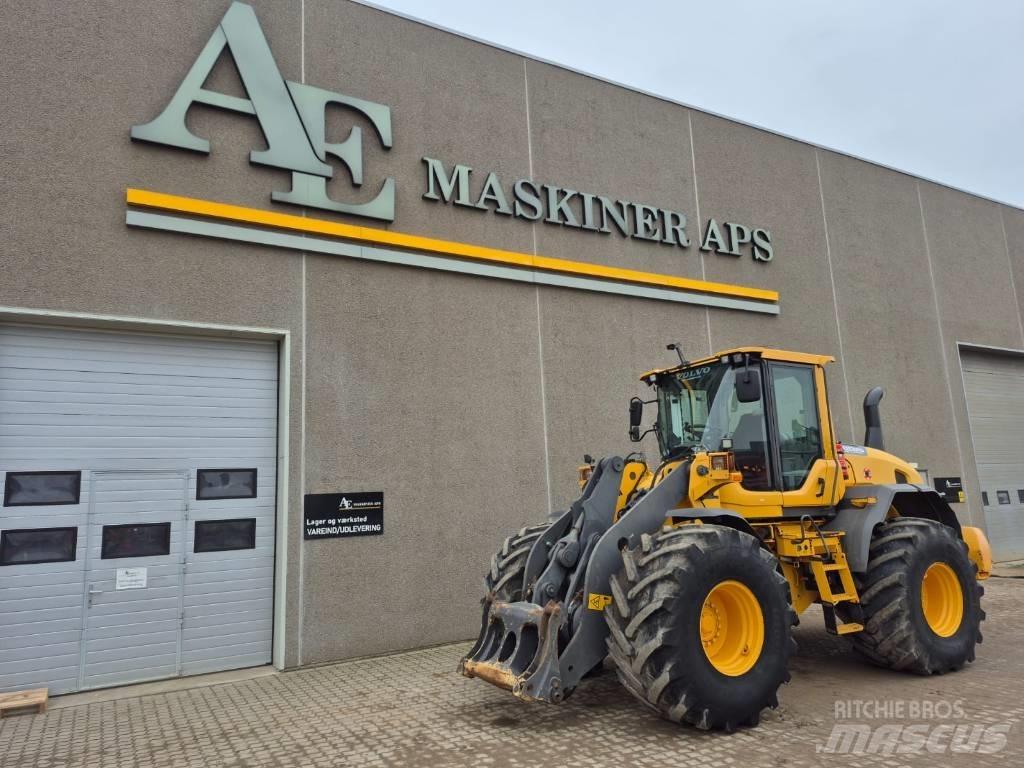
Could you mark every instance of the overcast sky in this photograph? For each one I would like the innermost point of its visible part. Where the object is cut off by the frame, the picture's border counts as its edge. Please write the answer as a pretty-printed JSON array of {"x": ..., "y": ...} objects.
[{"x": 932, "y": 87}]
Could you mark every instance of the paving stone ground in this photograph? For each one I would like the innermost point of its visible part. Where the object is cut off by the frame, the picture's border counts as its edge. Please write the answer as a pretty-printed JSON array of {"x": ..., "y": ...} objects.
[{"x": 412, "y": 709}]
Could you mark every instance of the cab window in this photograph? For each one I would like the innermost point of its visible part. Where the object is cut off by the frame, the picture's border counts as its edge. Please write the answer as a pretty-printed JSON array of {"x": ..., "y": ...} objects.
[
  {"x": 746, "y": 426},
  {"x": 796, "y": 412}
]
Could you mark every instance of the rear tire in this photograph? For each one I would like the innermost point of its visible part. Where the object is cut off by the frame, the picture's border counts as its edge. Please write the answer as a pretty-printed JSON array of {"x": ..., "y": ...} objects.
[
  {"x": 504, "y": 581},
  {"x": 678, "y": 603},
  {"x": 913, "y": 623}
]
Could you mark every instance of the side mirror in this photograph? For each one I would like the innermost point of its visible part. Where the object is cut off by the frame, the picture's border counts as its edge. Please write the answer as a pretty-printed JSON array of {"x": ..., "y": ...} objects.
[
  {"x": 636, "y": 412},
  {"x": 748, "y": 385},
  {"x": 636, "y": 415}
]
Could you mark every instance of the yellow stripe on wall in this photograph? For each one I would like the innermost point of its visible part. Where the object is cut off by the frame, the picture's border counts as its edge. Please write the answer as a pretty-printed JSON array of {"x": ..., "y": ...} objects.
[{"x": 208, "y": 208}]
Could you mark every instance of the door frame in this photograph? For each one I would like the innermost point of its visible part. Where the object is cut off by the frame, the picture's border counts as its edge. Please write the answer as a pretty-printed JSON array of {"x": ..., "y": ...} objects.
[{"x": 283, "y": 337}]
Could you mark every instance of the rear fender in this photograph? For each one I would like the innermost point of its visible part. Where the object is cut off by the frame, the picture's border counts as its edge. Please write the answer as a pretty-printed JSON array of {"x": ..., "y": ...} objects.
[
  {"x": 979, "y": 550},
  {"x": 858, "y": 519}
]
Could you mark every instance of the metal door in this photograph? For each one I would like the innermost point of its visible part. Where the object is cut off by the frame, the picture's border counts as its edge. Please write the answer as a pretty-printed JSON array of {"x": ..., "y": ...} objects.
[
  {"x": 133, "y": 577},
  {"x": 87, "y": 401},
  {"x": 994, "y": 387}
]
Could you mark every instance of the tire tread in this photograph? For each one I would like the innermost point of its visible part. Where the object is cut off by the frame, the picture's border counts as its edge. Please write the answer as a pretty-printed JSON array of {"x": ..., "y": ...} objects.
[
  {"x": 889, "y": 638},
  {"x": 640, "y": 641},
  {"x": 510, "y": 563}
]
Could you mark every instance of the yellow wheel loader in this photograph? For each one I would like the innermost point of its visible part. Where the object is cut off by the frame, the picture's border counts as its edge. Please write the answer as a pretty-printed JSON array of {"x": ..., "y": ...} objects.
[{"x": 689, "y": 572}]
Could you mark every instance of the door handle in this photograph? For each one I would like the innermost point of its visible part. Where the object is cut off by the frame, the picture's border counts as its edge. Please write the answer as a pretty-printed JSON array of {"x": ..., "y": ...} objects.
[
  {"x": 821, "y": 487},
  {"x": 92, "y": 591}
]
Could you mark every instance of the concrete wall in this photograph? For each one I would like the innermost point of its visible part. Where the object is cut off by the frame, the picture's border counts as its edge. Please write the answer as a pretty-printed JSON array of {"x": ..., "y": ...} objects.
[{"x": 471, "y": 401}]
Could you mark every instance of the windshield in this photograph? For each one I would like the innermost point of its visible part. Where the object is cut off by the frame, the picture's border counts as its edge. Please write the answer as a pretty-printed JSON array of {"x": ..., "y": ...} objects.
[
  {"x": 698, "y": 407},
  {"x": 687, "y": 407}
]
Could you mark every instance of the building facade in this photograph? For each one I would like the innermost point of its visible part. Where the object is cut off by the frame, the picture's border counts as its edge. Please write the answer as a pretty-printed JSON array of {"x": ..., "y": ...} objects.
[{"x": 305, "y": 306}]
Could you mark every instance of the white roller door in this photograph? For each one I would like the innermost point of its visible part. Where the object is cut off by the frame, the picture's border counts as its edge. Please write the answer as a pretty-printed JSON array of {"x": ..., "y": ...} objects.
[
  {"x": 994, "y": 385},
  {"x": 137, "y": 531}
]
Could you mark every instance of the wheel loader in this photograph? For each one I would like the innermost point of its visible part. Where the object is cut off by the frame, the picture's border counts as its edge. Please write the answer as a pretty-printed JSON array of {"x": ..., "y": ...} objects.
[{"x": 689, "y": 572}]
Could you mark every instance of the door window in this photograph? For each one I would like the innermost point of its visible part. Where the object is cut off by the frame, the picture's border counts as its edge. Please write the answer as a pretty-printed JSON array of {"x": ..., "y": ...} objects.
[
  {"x": 225, "y": 535},
  {"x": 26, "y": 489},
  {"x": 38, "y": 545},
  {"x": 796, "y": 410},
  {"x": 142, "y": 540},
  {"x": 226, "y": 484}
]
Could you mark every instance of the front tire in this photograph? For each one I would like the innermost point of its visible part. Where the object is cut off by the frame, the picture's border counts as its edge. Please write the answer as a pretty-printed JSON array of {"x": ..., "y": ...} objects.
[
  {"x": 921, "y": 599},
  {"x": 701, "y": 626},
  {"x": 504, "y": 580}
]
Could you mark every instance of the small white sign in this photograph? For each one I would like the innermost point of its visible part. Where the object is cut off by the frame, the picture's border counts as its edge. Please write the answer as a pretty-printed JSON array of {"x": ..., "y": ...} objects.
[{"x": 130, "y": 578}]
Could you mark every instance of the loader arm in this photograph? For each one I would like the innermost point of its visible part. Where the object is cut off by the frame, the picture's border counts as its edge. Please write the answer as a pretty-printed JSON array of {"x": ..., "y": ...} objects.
[{"x": 540, "y": 648}]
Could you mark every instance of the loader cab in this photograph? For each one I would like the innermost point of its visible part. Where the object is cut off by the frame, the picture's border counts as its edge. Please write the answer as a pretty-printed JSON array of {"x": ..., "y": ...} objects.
[{"x": 769, "y": 409}]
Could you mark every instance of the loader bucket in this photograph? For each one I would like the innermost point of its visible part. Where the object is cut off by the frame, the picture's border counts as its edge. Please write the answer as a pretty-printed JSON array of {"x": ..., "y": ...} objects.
[{"x": 518, "y": 650}]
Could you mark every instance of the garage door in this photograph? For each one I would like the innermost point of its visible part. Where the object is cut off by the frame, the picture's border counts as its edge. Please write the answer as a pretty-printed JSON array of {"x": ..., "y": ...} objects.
[
  {"x": 137, "y": 527},
  {"x": 994, "y": 385}
]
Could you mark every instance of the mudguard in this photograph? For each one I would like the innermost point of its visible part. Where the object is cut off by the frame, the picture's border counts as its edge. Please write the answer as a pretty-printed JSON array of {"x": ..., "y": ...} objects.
[{"x": 858, "y": 519}]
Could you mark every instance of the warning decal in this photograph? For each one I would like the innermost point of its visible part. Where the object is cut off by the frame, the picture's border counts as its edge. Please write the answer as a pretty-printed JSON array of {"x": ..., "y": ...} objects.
[{"x": 596, "y": 602}]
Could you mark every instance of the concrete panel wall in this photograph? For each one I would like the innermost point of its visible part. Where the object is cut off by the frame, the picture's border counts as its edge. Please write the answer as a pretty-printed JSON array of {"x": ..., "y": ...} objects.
[
  {"x": 1013, "y": 230},
  {"x": 975, "y": 294},
  {"x": 886, "y": 309},
  {"x": 471, "y": 401},
  {"x": 75, "y": 82},
  {"x": 744, "y": 175},
  {"x": 971, "y": 267},
  {"x": 595, "y": 348},
  {"x": 438, "y": 405},
  {"x": 590, "y": 135}
]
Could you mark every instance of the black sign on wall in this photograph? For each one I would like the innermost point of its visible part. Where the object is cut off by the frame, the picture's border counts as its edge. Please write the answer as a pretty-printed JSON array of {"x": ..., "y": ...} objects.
[
  {"x": 950, "y": 488},
  {"x": 340, "y": 515}
]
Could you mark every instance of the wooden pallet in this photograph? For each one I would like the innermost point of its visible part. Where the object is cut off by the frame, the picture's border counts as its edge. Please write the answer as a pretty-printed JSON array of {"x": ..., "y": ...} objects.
[{"x": 13, "y": 702}]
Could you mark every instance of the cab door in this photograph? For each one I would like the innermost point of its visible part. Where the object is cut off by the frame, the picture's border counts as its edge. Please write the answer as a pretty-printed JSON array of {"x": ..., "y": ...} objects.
[
  {"x": 807, "y": 469},
  {"x": 757, "y": 494}
]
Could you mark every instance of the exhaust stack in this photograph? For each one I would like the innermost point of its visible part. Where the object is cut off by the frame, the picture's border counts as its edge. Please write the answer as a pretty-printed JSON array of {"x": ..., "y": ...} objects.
[{"x": 872, "y": 421}]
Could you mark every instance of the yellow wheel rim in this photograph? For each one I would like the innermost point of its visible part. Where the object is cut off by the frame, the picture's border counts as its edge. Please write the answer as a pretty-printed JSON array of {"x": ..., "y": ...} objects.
[
  {"x": 942, "y": 599},
  {"x": 732, "y": 628}
]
